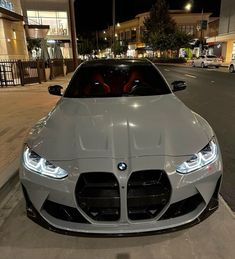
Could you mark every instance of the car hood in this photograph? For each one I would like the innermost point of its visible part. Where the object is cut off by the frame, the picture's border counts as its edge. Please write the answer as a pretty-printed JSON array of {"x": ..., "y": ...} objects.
[{"x": 118, "y": 128}]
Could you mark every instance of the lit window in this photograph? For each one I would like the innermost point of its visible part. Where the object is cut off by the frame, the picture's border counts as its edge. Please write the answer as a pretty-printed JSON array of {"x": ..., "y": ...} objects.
[{"x": 58, "y": 21}]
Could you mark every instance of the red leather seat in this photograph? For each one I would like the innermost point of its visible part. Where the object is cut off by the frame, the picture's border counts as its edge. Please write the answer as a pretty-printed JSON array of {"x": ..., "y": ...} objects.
[
  {"x": 96, "y": 86},
  {"x": 99, "y": 79},
  {"x": 134, "y": 76}
]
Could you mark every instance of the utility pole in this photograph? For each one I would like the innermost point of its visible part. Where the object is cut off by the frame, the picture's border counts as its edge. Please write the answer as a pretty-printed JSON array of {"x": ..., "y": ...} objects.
[
  {"x": 73, "y": 32},
  {"x": 97, "y": 40},
  {"x": 201, "y": 40},
  {"x": 114, "y": 32}
]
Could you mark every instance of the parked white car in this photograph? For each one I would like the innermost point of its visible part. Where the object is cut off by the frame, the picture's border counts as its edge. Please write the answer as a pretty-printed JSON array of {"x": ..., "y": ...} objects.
[
  {"x": 207, "y": 61},
  {"x": 231, "y": 67}
]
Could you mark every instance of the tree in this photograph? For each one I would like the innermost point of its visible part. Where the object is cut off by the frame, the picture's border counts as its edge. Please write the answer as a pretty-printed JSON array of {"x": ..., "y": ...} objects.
[
  {"x": 85, "y": 46},
  {"x": 161, "y": 32},
  {"x": 33, "y": 44},
  {"x": 121, "y": 48},
  {"x": 179, "y": 40}
]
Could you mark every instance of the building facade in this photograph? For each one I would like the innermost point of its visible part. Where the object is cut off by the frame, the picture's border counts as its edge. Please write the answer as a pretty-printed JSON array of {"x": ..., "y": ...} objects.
[
  {"x": 12, "y": 35},
  {"x": 132, "y": 31},
  {"x": 52, "y": 16},
  {"x": 226, "y": 36}
]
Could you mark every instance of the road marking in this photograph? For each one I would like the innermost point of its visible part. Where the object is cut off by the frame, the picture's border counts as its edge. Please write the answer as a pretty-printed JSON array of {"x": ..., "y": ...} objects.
[
  {"x": 188, "y": 75},
  {"x": 167, "y": 70},
  {"x": 212, "y": 82}
]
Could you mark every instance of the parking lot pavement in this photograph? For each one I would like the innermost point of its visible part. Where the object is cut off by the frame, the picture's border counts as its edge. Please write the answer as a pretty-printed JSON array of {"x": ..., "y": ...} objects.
[
  {"x": 21, "y": 238},
  {"x": 20, "y": 108}
]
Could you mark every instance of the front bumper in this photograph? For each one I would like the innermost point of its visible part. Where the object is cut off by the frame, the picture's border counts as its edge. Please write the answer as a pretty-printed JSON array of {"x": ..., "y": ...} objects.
[
  {"x": 33, "y": 214},
  {"x": 193, "y": 198}
]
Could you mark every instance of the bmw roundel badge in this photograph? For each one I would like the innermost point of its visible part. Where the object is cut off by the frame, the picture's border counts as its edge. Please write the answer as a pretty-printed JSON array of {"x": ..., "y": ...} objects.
[{"x": 122, "y": 166}]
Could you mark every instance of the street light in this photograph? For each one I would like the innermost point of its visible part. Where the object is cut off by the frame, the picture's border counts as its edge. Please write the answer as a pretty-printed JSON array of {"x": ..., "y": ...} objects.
[
  {"x": 114, "y": 21},
  {"x": 201, "y": 39},
  {"x": 188, "y": 7}
]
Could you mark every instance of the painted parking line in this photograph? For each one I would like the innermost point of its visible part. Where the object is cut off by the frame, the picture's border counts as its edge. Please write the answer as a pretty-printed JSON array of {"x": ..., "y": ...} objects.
[
  {"x": 188, "y": 75},
  {"x": 167, "y": 70}
]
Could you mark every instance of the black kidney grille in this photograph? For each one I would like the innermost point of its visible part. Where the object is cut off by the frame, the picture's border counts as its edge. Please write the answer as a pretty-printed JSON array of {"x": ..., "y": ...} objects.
[
  {"x": 147, "y": 194},
  {"x": 98, "y": 196}
]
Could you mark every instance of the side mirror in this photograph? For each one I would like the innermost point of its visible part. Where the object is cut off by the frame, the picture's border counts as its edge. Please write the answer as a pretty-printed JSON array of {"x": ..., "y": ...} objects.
[
  {"x": 178, "y": 85},
  {"x": 55, "y": 90}
]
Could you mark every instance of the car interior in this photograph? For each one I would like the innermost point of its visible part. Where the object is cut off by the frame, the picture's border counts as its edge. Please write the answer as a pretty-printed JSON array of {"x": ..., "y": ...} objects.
[{"x": 116, "y": 81}]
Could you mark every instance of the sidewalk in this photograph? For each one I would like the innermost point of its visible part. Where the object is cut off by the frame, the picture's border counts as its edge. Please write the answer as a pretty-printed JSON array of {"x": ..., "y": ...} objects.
[{"x": 20, "y": 108}]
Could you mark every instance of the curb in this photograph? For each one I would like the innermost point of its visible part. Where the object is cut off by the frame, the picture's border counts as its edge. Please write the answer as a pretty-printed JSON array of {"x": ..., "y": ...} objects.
[
  {"x": 231, "y": 212},
  {"x": 188, "y": 64},
  {"x": 12, "y": 178}
]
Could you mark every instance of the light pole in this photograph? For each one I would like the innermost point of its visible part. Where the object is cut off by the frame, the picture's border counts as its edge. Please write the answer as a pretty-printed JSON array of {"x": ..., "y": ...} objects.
[
  {"x": 73, "y": 32},
  {"x": 188, "y": 8},
  {"x": 114, "y": 22},
  {"x": 201, "y": 39}
]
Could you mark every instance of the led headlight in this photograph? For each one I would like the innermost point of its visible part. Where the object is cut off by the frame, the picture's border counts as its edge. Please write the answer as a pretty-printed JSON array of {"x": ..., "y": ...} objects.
[
  {"x": 206, "y": 156},
  {"x": 41, "y": 166}
]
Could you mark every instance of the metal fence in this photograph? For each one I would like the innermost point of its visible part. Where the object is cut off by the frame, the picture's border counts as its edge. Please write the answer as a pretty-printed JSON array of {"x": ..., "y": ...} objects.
[
  {"x": 57, "y": 68},
  {"x": 9, "y": 73},
  {"x": 21, "y": 72}
]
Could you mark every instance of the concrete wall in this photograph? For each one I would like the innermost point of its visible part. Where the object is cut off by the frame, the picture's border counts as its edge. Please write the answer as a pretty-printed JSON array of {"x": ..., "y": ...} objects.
[
  {"x": 227, "y": 17},
  {"x": 12, "y": 37}
]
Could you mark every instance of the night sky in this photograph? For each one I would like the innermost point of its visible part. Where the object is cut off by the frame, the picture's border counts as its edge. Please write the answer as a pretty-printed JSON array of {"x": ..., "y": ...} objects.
[{"x": 97, "y": 14}]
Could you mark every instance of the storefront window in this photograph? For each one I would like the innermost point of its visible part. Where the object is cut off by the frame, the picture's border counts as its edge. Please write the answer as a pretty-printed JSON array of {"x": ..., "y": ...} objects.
[
  {"x": 188, "y": 29},
  {"x": 58, "y": 21},
  {"x": 6, "y": 5}
]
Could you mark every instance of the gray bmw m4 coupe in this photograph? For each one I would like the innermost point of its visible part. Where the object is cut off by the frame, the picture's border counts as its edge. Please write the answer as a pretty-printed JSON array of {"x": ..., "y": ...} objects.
[{"x": 120, "y": 154}]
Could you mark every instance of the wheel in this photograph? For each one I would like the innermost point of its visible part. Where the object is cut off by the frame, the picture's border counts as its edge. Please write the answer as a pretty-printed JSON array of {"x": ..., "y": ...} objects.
[{"x": 231, "y": 69}]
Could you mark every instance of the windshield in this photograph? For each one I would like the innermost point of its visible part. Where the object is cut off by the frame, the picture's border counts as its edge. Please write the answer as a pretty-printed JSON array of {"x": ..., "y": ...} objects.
[{"x": 102, "y": 80}]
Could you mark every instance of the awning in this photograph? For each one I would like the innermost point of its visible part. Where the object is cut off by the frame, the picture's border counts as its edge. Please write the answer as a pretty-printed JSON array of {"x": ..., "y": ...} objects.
[
  {"x": 144, "y": 49},
  {"x": 9, "y": 15},
  {"x": 221, "y": 38},
  {"x": 36, "y": 31}
]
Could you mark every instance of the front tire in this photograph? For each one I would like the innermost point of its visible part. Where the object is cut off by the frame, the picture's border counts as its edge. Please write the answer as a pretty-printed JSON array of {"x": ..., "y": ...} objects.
[{"x": 231, "y": 69}]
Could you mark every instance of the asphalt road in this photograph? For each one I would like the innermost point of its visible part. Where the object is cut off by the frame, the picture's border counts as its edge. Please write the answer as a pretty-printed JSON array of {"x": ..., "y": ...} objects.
[{"x": 211, "y": 93}]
